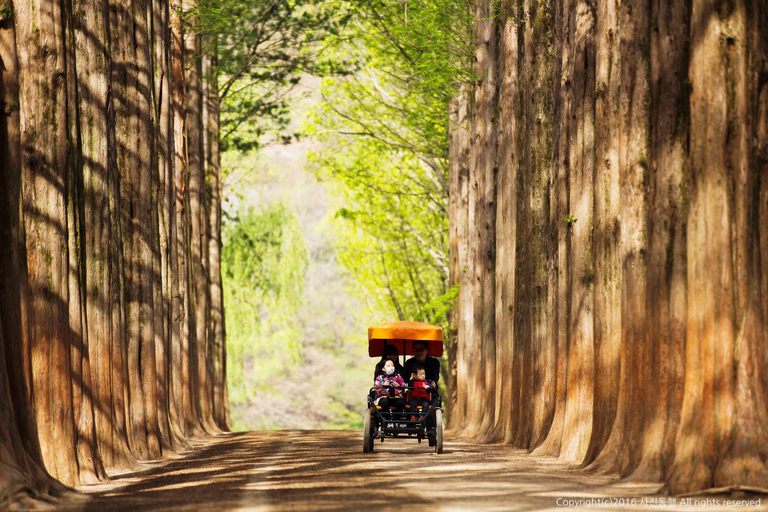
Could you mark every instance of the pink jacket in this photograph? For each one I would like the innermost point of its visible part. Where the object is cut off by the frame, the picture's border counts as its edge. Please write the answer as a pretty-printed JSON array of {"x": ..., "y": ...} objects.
[{"x": 383, "y": 380}]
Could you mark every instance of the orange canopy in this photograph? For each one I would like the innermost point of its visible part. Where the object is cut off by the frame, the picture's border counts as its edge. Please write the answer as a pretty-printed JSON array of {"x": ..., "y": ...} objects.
[{"x": 402, "y": 335}]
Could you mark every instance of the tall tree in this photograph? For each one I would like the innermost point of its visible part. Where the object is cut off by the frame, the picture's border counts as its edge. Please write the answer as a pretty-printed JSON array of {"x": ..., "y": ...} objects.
[
  {"x": 198, "y": 292},
  {"x": 20, "y": 453},
  {"x": 216, "y": 334},
  {"x": 44, "y": 176}
]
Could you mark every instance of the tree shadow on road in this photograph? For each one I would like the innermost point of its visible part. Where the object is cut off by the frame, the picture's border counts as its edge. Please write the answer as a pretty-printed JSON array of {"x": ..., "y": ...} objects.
[
  {"x": 327, "y": 471},
  {"x": 253, "y": 471}
]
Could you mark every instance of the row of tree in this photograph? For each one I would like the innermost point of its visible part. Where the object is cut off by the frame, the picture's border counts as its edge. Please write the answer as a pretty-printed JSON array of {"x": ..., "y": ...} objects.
[
  {"x": 112, "y": 337},
  {"x": 608, "y": 202}
]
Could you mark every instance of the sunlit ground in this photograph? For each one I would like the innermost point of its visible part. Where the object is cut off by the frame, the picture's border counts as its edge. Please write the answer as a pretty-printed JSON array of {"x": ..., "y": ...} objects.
[{"x": 326, "y": 470}]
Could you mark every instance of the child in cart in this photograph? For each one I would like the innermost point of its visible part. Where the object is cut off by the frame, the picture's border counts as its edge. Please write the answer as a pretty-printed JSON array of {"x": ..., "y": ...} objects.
[
  {"x": 421, "y": 395},
  {"x": 389, "y": 389}
]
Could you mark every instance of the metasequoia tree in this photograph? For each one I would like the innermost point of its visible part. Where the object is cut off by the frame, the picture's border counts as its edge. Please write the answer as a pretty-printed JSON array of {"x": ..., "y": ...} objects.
[
  {"x": 111, "y": 317},
  {"x": 609, "y": 192},
  {"x": 216, "y": 325}
]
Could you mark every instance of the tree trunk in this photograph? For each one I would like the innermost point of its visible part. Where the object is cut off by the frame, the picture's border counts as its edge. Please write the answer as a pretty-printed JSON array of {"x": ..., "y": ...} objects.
[
  {"x": 481, "y": 409},
  {"x": 20, "y": 452},
  {"x": 161, "y": 210},
  {"x": 181, "y": 376},
  {"x": 144, "y": 227},
  {"x": 726, "y": 325},
  {"x": 198, "y": 278},
  {"x": 506, "y": 234},
  {"x": 217, "y": 349},
  {"x": 667, "y": 212},
  {"x": 21, "y": 476},
  {"x": 559, "y": 282},
  {"x": 13, "y": 265},
  {"x": 607, "y": 274},
  {"x": 44, "y": 171},
  {"x": 89, "y": 466},
  {"x": 460, "y": 149}
]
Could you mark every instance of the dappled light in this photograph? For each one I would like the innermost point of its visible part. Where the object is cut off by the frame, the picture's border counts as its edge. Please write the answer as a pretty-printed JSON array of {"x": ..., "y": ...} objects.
[
  {"x": 324, "y": 470},
  {"x": 549, "y": 216}
]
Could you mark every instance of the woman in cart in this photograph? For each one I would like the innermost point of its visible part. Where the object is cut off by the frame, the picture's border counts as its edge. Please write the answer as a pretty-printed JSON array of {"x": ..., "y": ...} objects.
[{"x": 390, "y": 354}]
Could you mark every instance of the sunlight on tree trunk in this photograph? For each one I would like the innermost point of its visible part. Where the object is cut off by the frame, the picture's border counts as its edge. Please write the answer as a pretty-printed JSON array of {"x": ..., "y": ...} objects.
[
  {"x": 634, "y": 337},
  {"x": 96, "y": 217}
]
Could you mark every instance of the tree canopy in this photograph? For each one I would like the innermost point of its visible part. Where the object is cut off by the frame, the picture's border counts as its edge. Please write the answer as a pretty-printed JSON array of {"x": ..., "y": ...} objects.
[
  {"x": 263, "y": 50},
  {"x": 385, "y": 130}
]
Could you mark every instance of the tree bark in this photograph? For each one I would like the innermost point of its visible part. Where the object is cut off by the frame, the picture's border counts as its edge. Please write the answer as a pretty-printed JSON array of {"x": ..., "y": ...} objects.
[
  {"x": 198, "y": 278},
  {"x": 44, "y": 171},
  {"x": 95, "y": 266},
  {"x": 481, "y": 408},
  {"x": 725, "y": 323},
  {"x": 20, "y": 453},
  {"x": 144, "y": 227},
  {"x": 506, "y": 234},
  {"x": 185, "y": 416},
  {"x": 559, "y": 231},
  {"x": 666, "y": 298},
  {"x": 161, "y": 210},
  {"x": 460, "y": 150},
  {"x": 89, "y": 466},
  {"x": 607, "y": 211},
  {"x": 13, "y": 265},
  {"x": 217, "y": 349}
]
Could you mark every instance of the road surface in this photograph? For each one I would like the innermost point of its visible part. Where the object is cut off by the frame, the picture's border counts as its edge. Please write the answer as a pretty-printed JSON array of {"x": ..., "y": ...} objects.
[{"x": 327, "y": 471}]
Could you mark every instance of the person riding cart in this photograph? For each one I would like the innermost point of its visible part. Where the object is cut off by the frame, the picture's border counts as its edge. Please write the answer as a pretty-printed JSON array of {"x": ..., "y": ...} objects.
[
  {"x": 431, "y": 364},
  {"x": 421, "y": 395},
  {"x": 389, "y": 387}
]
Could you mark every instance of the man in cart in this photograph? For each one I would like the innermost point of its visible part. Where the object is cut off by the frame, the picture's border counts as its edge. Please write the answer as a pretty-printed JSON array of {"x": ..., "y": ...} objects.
[
  {"x": 431, "y": 368},
  {"x": 431, "y": 364}
]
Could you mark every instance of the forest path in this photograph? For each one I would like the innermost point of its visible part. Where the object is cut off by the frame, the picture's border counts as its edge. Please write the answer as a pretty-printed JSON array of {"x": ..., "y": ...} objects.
[{"x": 326, "y": 470}]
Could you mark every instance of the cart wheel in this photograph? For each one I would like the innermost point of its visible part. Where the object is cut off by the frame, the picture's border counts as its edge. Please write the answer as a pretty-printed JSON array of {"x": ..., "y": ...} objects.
[
  {"x": 439, "y": 431},
  {"x": 367, "y": 433}
]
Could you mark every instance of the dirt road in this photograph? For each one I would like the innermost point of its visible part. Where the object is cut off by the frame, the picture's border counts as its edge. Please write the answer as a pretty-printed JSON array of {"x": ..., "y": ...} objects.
[{"x": 326, "y": 470}]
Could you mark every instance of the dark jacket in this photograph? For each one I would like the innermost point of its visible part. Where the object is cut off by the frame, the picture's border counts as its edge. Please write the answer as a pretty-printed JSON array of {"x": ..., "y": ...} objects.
[{"x": 431, "y": 368}]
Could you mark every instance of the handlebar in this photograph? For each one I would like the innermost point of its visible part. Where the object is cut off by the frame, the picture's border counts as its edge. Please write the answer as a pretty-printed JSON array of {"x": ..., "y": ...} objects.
[{"x": 433, "y": 391}]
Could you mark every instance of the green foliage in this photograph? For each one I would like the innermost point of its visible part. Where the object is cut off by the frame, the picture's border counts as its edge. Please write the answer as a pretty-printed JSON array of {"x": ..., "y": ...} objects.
[
  {"x": 429, "y": 42},
  {"x": 410, "y": 62},
  {"x": 6, "y": 12},
  {"x": 385, "y": 130},
  {"x": 263, "y": 261},
  {"x": 436, "y": 311},
  {"x": 391, "y": 227},
  {"x": 570, "y": 219},
  {"x": 263, "y": 49},
  {"x": 390, "y": 70}
]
